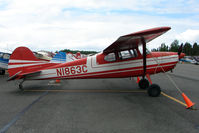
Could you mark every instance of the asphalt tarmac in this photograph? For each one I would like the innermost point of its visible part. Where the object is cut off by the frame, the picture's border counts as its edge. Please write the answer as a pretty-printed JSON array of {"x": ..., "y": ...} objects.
[{"x": 100, "y": 105}]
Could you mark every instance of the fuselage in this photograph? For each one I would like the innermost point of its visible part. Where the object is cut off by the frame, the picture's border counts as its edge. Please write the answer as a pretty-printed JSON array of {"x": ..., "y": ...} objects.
[{"x": 101, "y": 66}]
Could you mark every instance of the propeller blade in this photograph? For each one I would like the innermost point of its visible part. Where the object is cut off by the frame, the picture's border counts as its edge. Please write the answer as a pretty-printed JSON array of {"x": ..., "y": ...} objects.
[{"x": 180, "y": 49}]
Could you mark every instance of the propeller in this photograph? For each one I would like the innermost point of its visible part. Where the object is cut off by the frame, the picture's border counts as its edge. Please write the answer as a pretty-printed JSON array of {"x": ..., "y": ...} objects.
[
  {"x": 180, "y": 49},
  {"x": 180, "y": 54}
]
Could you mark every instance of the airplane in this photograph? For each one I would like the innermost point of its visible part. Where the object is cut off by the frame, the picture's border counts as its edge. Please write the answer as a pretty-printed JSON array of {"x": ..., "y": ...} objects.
[
  {"x": 71, "y": 57},
  {"x": 191, "y": 60},
  {"x": 126, "y": 57},
  {"x": 60, "y": 57},
  {"x": 44, "y": 55},
  {"x": 4, "y": 58}
]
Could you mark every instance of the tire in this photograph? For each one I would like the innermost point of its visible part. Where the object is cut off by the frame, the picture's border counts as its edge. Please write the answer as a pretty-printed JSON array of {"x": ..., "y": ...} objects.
[
  {"x": 144, "y": 84},
  {"x": 154, "y": 90},
  {"x": 2, "y": 72}
]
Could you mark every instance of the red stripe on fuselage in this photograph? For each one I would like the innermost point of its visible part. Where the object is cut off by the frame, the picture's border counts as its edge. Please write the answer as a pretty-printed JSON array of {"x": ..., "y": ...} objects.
[{"x": 119, "y": 73}]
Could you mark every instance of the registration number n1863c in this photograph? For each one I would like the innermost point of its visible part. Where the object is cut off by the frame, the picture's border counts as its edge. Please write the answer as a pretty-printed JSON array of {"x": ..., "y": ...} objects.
[{"x": 72, "y": 70}]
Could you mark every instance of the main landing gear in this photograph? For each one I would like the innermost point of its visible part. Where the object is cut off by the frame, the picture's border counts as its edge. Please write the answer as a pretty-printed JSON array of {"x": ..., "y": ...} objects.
[
  {"x": 153, "y": 90},
  {"x": 21, "y": 86}
]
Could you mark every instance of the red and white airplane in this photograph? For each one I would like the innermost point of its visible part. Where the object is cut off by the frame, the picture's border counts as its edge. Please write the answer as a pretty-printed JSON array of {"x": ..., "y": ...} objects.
[{"x": 126, "y": 57}]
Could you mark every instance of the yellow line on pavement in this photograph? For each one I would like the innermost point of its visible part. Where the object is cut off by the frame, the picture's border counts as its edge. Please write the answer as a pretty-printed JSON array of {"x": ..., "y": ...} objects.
[
  {"x": 90, "y": 90},
  {"x": 174, "y": 99},
  {"x": 106, "y": 91}
]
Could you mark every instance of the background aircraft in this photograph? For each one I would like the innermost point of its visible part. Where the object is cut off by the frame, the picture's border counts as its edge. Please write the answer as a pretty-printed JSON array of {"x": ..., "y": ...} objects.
[
  {"x": 189, "y": 59},
  {"x": 4, "y": 58},
  {"x": 126, "y": 57}
]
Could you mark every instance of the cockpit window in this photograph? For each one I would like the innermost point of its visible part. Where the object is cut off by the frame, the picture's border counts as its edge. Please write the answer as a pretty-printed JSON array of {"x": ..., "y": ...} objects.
[
  {"x": 141, "y": 50},
  {"x": 110, "y": 57},
  {"x": 126, "y": 54}
]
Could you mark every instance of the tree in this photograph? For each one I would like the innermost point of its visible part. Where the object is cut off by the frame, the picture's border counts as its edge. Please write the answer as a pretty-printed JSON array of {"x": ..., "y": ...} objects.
[
  {"x": 174, "y": 46},
  {"x": 195, "y": 49},
  {"x": 163, "y": 47},
  {"x": 154, "y": 50},
  {"x": 81, "y": 51},
  {"x": 188, "y": 49}
]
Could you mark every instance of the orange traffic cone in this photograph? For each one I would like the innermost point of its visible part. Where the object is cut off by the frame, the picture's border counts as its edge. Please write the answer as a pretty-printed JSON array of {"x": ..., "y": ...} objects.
[
  {"x": 188, "y": 101},
  {"x": 57, "y": 81},
  {"x": 138, "y": 80}
]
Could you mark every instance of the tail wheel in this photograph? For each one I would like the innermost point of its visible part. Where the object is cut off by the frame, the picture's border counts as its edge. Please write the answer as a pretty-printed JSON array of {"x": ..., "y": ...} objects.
[
  {"x": 144, "y": 83},
  {"x": 154, "y": 90}
]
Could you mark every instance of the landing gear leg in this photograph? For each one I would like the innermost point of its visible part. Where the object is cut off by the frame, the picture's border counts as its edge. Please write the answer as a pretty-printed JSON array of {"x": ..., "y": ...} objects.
[{"x": 21, "y": 86}]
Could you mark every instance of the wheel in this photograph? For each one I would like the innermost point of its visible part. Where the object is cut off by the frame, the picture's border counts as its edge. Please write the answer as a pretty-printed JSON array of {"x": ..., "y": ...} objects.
[
  {"x": 154, "y": 90},
  {"x": 21, "y": 87},
  {"x": 144, "y": 83},
  {"x": 3, "y": 72},
  {"x": 0, "y": 72}
]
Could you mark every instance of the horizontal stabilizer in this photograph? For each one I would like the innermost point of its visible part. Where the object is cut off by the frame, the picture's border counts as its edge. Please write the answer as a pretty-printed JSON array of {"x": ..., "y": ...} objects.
[{"x": 14, "y": 76}]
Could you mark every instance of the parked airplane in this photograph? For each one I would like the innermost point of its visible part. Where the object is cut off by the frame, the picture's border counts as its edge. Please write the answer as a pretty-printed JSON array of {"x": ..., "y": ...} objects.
[
  {"x": 189, "y": 59},
  {"x": 4, "y": 58},
  {"x": 126, "y": 57},
  {"x": 60, "y": 57},
  {"x": 44, "y": 55},
  {"x": 71, "y": 57}
]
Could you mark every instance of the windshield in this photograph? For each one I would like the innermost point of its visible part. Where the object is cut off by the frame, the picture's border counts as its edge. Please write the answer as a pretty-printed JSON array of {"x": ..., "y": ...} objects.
[{"x": 141, "y": 50}]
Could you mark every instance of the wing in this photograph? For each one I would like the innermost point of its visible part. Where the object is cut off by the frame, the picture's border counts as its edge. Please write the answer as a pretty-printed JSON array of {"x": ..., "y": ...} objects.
[{"x": 133, "y": 40}]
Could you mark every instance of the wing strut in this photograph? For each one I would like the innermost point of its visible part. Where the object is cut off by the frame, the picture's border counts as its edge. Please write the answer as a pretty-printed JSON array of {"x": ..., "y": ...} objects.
[{"x": 144, "y": 56}]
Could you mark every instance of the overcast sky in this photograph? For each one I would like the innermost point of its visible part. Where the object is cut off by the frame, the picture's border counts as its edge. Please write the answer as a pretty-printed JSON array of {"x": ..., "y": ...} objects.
[{"x": 93, "y": 24}]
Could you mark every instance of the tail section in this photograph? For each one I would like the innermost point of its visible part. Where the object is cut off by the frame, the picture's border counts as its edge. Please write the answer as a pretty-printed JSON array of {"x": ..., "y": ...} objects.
[
  {"x": 23, "y": 60},
  {"x": 59, "y": 58}
]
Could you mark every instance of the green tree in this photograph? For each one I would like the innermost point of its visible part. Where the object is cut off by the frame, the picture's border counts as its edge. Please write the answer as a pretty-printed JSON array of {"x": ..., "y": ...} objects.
[
  {"x": 163, "y": 47},
  {"x": 195, "y": 49},
  {"x": 174, "y": 46},
  {"x": 188, "y": 49},
  {"x": 154, "y": 50},
  {"x": 81, "y": 51}
]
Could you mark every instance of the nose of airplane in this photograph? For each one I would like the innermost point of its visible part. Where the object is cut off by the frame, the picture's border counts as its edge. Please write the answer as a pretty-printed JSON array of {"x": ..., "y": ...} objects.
[{"x": 181, "y": 55}]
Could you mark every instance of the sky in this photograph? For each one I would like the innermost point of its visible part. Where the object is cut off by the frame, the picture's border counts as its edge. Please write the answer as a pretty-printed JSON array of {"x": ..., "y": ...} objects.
[{"x": 93, "y": 24}]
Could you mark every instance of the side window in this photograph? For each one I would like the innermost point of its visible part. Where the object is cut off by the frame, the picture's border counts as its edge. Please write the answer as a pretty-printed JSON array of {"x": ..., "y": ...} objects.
[
  {"x": 128, "y": 54},
  {"x": 141, "y": 50},
  {"x": 134, "y": 52},
  {"x": 110, "y": 57},
  {"x": 125, "y": 54}
]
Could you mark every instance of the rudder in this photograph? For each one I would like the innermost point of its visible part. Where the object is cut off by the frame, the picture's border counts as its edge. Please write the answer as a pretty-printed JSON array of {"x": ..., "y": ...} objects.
[{"x": 21, "y": 59}]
